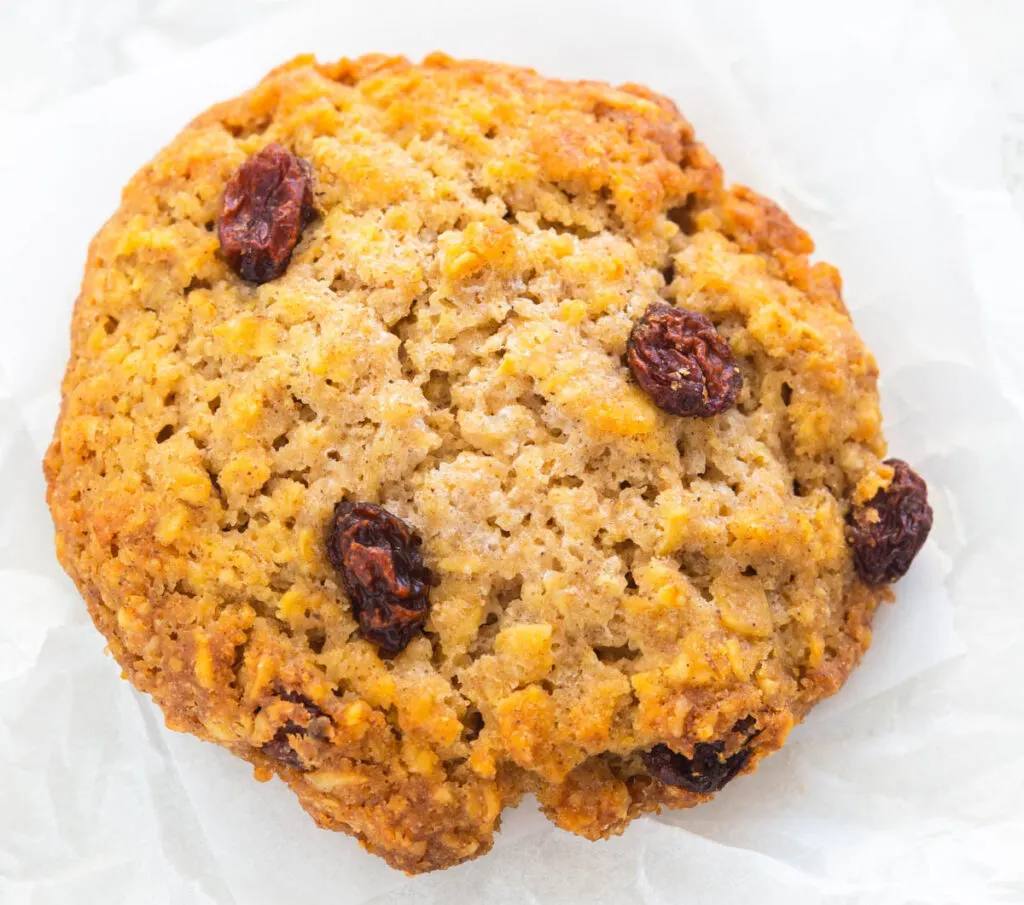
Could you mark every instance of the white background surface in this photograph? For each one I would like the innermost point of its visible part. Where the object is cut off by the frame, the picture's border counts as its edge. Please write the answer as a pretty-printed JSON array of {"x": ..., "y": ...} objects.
[{"x": 891, "y": 130}]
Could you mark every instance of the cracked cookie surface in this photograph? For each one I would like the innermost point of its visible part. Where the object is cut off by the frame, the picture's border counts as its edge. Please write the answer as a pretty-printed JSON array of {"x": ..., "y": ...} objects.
[{"x": 447, "y": 341}]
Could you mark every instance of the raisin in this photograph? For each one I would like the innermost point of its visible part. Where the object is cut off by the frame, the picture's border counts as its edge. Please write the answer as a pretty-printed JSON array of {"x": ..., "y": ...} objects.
[
  {"x": 382, "y": 570},
  {"x": 267, "y": 203},
  {"x": 707, "y": 771},
  {"x": 279, "y": 747},
  {"x": 887, "y": 532},
  {"x": 682, "y": 362}
]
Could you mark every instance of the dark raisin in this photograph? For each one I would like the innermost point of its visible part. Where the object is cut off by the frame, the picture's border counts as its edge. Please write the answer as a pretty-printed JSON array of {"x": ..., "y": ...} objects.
[
  {"x": 887, "y": 532},
  {"x": 267, "y": 203},
  {"x": 280, "y": 748},
  {"x": 707, "y": 771},
  {"x": 682, "y": 362},
  {"x": 383, "y": 573}
]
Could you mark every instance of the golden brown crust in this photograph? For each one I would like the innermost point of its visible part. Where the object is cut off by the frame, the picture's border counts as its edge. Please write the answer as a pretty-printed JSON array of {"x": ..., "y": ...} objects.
[{"x": 447, "y": 342}]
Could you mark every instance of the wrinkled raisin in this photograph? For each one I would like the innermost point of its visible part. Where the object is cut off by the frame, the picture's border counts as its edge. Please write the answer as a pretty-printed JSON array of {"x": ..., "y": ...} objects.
[
  {"x": 887, "y": 532},
  {"x": 280, "y": 747},
  {"x": 267, "y": 203},
  {"x": 707, "y": 771},
  {"x": 383, "y": 573},
  {"x": 682, "y": 362}
]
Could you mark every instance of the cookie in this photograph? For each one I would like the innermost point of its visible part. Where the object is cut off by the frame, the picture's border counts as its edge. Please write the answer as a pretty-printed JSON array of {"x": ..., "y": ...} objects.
[{"x": 439, "y": 433}]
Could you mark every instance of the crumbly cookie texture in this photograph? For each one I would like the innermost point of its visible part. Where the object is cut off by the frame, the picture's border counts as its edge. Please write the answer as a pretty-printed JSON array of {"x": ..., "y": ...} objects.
[{"x": 448, "y": 342}]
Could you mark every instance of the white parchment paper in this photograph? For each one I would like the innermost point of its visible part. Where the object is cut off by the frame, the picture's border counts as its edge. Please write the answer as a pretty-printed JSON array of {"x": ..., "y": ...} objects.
[{"x": 870, "y": 126}]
